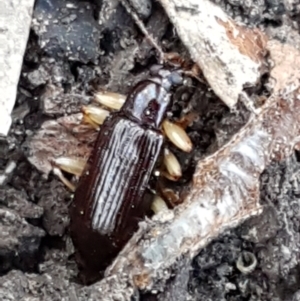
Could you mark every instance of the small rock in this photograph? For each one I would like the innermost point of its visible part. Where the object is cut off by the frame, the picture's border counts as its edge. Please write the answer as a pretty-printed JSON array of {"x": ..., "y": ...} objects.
[{"x": 67, "y": 29}]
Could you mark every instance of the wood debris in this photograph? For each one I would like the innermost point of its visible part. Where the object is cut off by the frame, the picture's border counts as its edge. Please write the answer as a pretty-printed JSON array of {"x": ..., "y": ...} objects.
[{"x": 14, "y": 31}]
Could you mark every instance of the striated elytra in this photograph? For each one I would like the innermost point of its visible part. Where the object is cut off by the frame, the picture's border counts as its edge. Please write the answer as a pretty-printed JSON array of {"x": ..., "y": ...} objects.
[{"x": 108, "y": 203}]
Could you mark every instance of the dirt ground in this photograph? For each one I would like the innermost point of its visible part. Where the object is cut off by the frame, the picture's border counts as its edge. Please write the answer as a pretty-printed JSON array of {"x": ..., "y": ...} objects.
[{"x": 75, "y": 47}]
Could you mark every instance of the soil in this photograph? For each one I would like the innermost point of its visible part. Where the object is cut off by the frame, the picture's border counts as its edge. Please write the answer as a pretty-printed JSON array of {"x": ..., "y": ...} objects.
[{"x": 74, "y": 49}]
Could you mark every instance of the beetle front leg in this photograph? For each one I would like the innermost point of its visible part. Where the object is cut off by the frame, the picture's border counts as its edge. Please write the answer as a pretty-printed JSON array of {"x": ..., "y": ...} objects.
[{"x": 64, "y": 180}]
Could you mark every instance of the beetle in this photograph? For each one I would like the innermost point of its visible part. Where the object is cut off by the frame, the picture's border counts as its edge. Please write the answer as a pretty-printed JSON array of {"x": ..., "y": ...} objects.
[{"x": 109, "y": 200}]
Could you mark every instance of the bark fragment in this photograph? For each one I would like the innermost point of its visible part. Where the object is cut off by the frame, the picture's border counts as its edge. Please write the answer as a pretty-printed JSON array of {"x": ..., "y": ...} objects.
[
  {"x": 230, "y": 56},
  {"x": 14, "y": 31}
]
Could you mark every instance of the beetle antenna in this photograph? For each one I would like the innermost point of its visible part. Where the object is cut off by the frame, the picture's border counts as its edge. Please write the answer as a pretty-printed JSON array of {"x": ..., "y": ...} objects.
[{"x": 144, "y": 30}]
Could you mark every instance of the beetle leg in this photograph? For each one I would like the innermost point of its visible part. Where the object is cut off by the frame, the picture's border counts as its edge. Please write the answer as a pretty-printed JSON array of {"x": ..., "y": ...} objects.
[
  {"x": 177, "y": 136},
  {"x": 171, "y": 197},
  {"x": 83, "y": 128},
  {"x": 189, "y": 69},
  {"x": 195, "y": 73},
  {"x": 158, "y": 203},
  {"x": 169, "y": 176},
  {"x": 87, "y": 120},
  {"x": 248, "y": 102},
  {"x": 187, "y": 119}
]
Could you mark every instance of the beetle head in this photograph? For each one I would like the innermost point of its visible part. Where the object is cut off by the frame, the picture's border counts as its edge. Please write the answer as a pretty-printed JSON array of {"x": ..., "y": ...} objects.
[{"x": 149, "y": 100}]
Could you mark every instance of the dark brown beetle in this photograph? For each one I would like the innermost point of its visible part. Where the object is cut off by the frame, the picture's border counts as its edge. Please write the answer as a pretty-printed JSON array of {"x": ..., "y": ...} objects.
[{"x": 108, "y": 203}]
